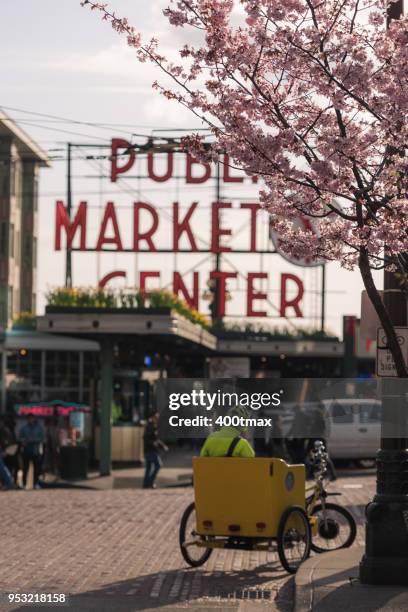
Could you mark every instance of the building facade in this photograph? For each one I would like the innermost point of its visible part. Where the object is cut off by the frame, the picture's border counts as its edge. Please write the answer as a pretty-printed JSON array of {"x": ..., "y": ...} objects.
[{"x": 20, "y": 160}]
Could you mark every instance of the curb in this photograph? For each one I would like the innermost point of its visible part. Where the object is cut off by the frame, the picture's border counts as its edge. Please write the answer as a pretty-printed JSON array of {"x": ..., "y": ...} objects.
[
  {"x": 304, "y": 585},
  {"x": 325, "y": 564}
]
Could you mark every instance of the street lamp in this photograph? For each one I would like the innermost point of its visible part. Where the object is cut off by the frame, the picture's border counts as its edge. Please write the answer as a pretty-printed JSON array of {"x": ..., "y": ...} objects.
[{"x": 386, "y": 556}]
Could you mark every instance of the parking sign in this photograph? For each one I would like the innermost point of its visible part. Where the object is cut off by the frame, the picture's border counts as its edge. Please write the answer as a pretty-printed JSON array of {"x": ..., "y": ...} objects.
[{"x": 385, "y": 362}]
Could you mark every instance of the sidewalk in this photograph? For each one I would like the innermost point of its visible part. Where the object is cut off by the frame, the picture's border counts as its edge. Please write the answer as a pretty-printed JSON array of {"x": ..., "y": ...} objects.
[
  {"x": 176, "y": 472},
  {"x": 132, "y": 478},
  {"x": 329, "y": 582}
]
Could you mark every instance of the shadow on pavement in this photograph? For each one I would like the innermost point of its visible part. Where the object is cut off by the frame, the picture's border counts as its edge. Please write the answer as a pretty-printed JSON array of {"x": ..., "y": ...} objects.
[
  {"x": 182, "y": 589},
  {"x": 342, "y": 591}
]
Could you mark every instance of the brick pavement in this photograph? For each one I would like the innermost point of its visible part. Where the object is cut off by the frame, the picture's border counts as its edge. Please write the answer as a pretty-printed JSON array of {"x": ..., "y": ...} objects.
[{"x": 118, "y": 550}]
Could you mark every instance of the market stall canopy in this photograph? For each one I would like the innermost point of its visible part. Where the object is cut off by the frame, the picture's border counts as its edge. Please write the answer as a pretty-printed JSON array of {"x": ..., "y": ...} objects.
[{"x": 124, "y": 324}]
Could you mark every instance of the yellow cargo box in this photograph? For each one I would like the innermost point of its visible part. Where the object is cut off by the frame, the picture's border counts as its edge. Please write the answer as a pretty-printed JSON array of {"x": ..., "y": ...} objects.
[{"x": 245, "y": 497}]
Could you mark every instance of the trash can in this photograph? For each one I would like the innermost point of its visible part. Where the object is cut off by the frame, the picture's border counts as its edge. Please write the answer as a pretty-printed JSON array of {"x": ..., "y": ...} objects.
[{"x": 73, "y": 462}]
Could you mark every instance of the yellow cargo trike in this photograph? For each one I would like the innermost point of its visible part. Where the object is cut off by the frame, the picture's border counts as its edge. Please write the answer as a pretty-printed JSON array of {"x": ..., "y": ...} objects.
[{"x": 247, "y": 504}]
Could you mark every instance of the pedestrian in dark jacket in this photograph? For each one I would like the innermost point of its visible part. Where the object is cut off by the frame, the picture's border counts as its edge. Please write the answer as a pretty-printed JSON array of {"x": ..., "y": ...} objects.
[
  {"x": 298, "y": 436},
  {"x": 32, "y": 438},
  {"x": 5, "y": 441},
  {"x": 152, "y": 445},
  {"x": 277, "y": 442}
]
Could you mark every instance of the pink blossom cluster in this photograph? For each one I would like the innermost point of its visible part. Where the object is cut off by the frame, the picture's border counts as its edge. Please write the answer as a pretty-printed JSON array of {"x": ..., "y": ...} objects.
[{"x": 310, "y": 96}]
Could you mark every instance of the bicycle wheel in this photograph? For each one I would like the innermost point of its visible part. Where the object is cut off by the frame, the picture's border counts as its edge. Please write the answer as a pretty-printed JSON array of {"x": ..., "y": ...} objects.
[
  {"x": 336, "y": 528},
  {"x": 188, "y": 537},
  {"x": 294, "y": 538}
]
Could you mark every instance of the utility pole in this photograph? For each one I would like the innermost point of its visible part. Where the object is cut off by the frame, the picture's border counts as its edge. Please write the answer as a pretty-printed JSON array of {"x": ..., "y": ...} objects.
[
  {"x": 386, "y": 556},
  {"x": 68, "y": 261},
  {"x": 323, "y": 300}
]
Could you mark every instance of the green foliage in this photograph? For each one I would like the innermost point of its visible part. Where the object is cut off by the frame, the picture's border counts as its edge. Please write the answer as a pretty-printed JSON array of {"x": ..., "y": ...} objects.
[
  {"x": 247, "y": 330},
  {"x": 123, "y": 299},
  {"x": 25, "y": 320}
]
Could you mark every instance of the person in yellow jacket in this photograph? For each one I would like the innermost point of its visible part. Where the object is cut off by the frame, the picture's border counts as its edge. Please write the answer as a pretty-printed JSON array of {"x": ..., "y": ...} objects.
[{"x": 228, "y": 441}]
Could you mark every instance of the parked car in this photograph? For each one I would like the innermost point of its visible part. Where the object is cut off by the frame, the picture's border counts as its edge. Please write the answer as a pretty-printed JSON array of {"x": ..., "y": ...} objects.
[{"x": 354, "y": 428}]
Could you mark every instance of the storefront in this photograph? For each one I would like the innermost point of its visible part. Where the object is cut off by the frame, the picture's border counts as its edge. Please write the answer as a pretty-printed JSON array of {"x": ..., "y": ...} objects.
[{"x": 45, "y": 367}]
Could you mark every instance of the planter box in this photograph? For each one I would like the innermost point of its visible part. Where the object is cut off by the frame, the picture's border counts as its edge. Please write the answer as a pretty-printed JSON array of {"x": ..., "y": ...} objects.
[{"x": 101, "y": 310}]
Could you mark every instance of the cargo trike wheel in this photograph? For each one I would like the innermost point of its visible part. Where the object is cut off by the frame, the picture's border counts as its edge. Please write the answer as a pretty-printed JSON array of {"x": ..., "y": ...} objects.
[
  {"x": 336, "y": 528},
  {"x": 189, "y": 539},
  {"x": 294, "y": 537}
]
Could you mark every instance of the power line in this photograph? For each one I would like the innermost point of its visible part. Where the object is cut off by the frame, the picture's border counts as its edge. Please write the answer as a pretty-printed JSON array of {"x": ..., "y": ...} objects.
[
  {"x": 54, "y": 129},
  {"x": 100, "y": 126}
]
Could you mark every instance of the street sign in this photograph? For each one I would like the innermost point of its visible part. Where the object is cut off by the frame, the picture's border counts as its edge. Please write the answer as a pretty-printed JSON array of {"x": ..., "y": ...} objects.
[{"x": 385, "y": 362}]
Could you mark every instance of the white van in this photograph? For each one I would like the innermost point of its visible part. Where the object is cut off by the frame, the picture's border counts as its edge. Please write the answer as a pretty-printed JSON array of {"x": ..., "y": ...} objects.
[{"x": 354, "y": 428}]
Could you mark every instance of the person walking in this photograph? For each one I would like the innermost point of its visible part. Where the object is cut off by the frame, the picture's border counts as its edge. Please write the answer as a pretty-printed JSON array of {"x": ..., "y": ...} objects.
[
  {"x": 5, "y": 440},
  {"x": 298, "y": 435},
  {"x": 32, "y": 438},
  {"x": 152, "y": 445},
  {"x": 8, "y": 449}
]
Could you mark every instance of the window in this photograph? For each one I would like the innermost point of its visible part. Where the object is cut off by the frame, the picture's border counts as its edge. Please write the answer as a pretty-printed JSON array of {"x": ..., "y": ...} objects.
[
  {"x": 35, "y": 193},
  {"x": 23, "y": 376},
  {"x": 3, "y": 238},
  {"x": 342, "y": 413},
  {"x": 3, "y": 313},
  {"x": 62, "y": 369},
  {"x": 13, "y": 178},
  {"x": 11, "y": 241},
  {"x": 27, "y": 248},
  {"x": 24, "y": 368},
  {"x": 34, "y": 260},
  {"x": 17, "y": 247},
  {"x": 370, "y": 413},
  {"x": 10, "y": 303}
]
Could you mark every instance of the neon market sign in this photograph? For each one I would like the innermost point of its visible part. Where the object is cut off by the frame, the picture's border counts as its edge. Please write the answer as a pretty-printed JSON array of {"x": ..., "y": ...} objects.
[{"x": 50, "y": 409}]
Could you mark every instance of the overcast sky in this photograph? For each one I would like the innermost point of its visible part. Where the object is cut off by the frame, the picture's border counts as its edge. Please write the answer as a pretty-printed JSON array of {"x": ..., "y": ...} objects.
[{"x": 62, "y": 60}]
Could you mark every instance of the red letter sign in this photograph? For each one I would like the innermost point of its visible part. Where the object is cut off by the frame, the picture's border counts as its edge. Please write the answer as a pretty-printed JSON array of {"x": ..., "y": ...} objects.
[
  {"x": 119, "y": 143},
  {"x": 62, "y": 220},
  {"x": 183, "y": 226},
  {"x": 139, "y": 236},
  {"x": 217, "y": 232},
  {"x": 227, "y": 177},
  {"x": 294, "y": 302},
  {"x": 179, "y": 286},
  {"x": 255, "y": 295},
  {"x": 108, "y": 277},
  {"x": 221, "y": 279},
  {"x": 196, "y": 179},
  {"x": 110, "y": 215},
  {"x": 143, "y": 276},
  {"x": 151, "y": 172}
]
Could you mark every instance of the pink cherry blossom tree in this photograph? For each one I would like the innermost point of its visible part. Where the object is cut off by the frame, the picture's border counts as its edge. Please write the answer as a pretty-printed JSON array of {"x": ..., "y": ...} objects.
[{"x": 312, "y": 97}]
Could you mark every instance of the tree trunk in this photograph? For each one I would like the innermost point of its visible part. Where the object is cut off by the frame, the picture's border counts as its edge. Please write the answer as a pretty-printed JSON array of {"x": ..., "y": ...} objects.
[{"x": 377, "y": 302}]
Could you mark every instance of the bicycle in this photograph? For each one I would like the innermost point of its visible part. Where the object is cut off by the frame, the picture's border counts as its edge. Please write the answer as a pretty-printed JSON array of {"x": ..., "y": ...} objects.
[
  {"x": 336, "y": 527},
  {"x": 249, "y": 505}
]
